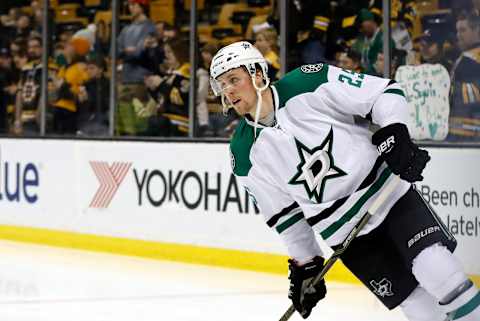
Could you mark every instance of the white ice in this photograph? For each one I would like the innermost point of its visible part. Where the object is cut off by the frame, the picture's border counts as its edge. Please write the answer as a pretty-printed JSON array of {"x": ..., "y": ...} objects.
[{"x": 41, "y": 283}]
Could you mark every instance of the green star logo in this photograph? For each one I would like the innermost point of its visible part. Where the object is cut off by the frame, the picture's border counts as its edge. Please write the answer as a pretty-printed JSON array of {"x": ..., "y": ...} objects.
[{"x": 316, "y": 167}]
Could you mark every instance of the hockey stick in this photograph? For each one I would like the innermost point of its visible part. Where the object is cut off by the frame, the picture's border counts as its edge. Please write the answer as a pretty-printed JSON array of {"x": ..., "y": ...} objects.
[{"x": 387, "y": 190}]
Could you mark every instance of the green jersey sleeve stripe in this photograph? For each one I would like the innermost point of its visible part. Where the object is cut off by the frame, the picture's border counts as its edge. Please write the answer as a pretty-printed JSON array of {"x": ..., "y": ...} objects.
[
  {"x": 329, "y": 231},
  {"x": 394, "y": 91},
  {"x": 274, "y": 219},
  {"x": 292, "y": 220}
]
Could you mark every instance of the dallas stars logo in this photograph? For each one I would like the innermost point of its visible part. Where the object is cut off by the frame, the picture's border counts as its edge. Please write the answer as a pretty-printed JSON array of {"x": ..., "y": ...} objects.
[
  {"x": 316, "y": 167},
  {"x": 245, "y": 45}
]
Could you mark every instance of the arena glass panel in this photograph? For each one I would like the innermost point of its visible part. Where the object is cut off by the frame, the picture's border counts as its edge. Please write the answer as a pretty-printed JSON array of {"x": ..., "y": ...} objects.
[
  {"x": 79, "y": 53},
  {"x": 433, "y": 56},
  {"x": 21, "y": 77},
  {"x": 153, "y": 65}
]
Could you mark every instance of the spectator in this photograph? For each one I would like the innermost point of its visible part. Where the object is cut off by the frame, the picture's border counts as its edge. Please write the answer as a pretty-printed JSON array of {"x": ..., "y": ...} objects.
[
  {"x": 314, "y": 44},
  {"x": 203, "y": 76},
  {"x": 59, "y": 54},
  {"x": 476, "y": 7},
  {"x": 22, "y": 27},
  {"x": 131, "y": 44},
  {"x": 162, "y": 27},
  {"x": 311, "y": 46},
  {"x": 266, "y": 42},
  {"x": 28, "y": 96},
  {"x": 37, "y": 19},
  {"x": 169, "y": 32},
  {"x": 171, "y": 92},
  {"x": 398, "y": 58},
  {"x": 378, "y": 67},
  {"x": 7, "y": 23},
  {"x": 350, "y": 60},
  {"x": 154, "y": 54},
  {"x": 20, "y": 59},
  {"x": 65, "y": 36},
  {"x": 17, "y": 45},
  {"x": 430, "y": 45},
  {"x": 102, "y": 41},
  {"x": 464, "y": 119},
  {"x": 10, "y": 19},
  {"x": 70, "y": 81},
  {"x": 94, "y": 101},
  {"x": 6, "y": 82},
  {"x": 370, "y": 41}
]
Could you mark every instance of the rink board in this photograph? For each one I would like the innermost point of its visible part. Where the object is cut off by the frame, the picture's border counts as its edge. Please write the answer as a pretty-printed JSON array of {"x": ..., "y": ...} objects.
[{"x": 179, "y": 201}]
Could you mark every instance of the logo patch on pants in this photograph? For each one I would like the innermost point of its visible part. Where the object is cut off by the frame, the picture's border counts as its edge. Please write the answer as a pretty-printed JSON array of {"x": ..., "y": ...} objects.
[
  {"x": 422, "y": 234},
  {"x": 382, "y": 288}
]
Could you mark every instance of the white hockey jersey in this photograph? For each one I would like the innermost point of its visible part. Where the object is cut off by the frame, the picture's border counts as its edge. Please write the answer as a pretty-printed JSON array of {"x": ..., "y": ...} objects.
[{"x": 316, "y": 170}]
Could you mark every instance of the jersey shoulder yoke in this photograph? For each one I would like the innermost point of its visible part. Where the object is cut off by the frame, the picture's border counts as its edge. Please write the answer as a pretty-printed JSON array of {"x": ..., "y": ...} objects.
[{"x": 301, "y": 80}]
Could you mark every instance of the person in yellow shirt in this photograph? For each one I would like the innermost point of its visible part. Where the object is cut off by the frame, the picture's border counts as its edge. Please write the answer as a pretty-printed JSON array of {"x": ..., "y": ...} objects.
[
  {"x": 70, "y": 81},
  {"x": 266, "y": 41}
]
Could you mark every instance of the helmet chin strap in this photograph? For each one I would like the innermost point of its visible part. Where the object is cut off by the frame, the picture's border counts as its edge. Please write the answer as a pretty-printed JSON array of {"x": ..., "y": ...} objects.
[
  {"x": 258, "y": 109},
  {"x": 226, "y": 105}
]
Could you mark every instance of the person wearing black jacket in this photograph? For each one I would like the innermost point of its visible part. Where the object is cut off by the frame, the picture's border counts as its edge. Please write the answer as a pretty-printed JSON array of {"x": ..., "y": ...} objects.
[
  {"x": 5, "y": 81},
  {"x": 464, "y": 121},
  {"x": 93, "y": 117}
]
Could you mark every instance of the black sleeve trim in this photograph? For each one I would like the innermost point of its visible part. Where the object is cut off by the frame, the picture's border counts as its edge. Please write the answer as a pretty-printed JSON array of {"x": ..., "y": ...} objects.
[
  {"x": 394, "y": 91},
  {"x": 391, "y": 82}
]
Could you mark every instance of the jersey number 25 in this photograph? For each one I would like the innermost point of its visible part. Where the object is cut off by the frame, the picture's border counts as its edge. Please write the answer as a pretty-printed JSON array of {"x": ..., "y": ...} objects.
[{"x": 352, "y": 78}]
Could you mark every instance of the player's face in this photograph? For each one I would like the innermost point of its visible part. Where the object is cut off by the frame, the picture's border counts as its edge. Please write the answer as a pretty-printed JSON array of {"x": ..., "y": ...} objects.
[{"x": 238, "y": 90}]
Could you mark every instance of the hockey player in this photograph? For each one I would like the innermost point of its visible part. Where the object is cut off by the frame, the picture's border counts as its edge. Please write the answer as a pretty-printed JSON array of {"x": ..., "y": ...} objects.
[{"x": 313, "y": 171}]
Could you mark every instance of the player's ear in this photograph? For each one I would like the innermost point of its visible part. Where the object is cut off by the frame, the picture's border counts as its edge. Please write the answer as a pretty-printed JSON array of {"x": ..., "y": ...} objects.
[{"x": 259, "y": 77}]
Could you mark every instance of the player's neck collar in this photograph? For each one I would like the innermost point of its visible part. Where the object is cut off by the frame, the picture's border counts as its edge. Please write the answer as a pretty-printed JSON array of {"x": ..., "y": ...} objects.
[{"x": 250, "y": 121}]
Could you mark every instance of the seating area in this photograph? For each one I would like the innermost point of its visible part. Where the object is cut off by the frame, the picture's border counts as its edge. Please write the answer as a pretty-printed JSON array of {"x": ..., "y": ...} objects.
[
  {"x": 219, "y": 22},
  {"x": 423, "y": 32}
]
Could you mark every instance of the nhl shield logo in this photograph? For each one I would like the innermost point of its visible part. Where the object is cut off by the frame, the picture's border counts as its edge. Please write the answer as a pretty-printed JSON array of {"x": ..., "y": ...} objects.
[
  {"x": 382, "y": 288},
  {"x": 309, "y": 69}
]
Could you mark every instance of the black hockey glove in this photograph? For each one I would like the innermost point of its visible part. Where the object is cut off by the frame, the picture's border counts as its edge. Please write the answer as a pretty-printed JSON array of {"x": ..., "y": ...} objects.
[
  {"x": 403, "y": 157},
  {"x": 300, "y": 277}
]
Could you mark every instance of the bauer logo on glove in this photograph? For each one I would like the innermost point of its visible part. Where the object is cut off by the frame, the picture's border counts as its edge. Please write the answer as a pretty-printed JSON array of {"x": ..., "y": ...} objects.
[
  {"x": 403, "y": 157},
  {"x": 386, "y": 146}
]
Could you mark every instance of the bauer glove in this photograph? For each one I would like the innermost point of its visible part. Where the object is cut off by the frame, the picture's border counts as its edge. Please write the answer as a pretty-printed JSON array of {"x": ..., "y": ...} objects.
[
  {"x": 304, "y": 299},
  {"x": 403, "y": 157}
]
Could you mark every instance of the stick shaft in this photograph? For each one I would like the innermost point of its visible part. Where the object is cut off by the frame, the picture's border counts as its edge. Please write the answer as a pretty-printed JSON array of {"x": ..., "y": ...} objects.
[{"x": 387, "y": 190}]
